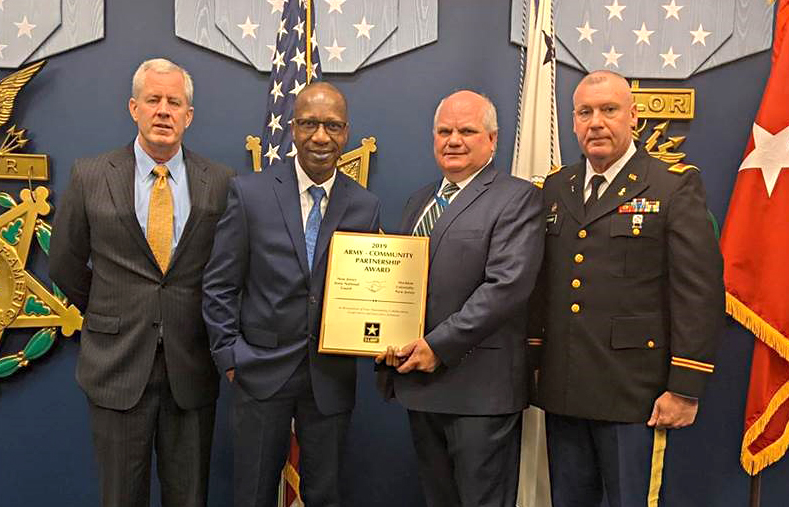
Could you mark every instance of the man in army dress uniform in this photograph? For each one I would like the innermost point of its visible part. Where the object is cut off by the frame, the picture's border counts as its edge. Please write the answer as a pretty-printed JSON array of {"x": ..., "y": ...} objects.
[{"x": 630, "y": 303}]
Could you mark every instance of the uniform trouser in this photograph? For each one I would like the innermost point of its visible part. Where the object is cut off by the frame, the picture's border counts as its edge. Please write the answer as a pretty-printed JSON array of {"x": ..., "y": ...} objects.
[
  {"x": 261, "y": 431},
  {"x": 468, "y": 461},
  {"x": 592, "y": 459},
  {"x": 181, "y": 439}
]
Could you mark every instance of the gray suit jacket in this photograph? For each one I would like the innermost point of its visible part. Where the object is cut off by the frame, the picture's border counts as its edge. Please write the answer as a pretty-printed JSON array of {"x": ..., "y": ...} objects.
[
  {"x": 102, "y": 262},
  {"x": 485, "y": 252}
]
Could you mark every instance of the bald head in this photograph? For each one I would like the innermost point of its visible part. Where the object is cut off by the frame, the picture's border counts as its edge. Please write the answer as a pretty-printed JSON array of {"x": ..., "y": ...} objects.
[
  {"x": 320, "y": 90},
  {"x": 604, "y": 115},
  {"x": 610, "y": 78},
  {"x": 489, "y": 116}
]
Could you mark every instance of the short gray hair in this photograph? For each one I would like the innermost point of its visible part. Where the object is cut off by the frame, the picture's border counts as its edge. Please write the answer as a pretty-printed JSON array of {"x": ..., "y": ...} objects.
[
  {"x": 489, "y": 116},
  {"x": 161, "y": 66}
]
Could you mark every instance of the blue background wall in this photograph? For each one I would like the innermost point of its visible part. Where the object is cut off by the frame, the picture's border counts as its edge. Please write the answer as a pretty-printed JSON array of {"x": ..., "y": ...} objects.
[{"x": 77, "y": 107}]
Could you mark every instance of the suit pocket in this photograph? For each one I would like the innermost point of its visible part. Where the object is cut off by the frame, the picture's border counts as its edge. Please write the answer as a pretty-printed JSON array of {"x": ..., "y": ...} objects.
[
  {"x": 636, "y": 250},
  {"x": 102, "y": 323},
  {"x": 642, "y": 332},
  {"x": 259, "y": 337}
]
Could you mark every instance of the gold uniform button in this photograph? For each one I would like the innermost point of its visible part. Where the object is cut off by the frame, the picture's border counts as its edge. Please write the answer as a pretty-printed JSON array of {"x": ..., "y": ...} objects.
[
  {"x": 651, "y": 344},
  {"x": 636, "y": 232},
  {"x": 575, "y": 308},
  {"x": 576, "y": 283},
  {"x": 582, "y": 233},
  {"x": 579, "y": 258}
]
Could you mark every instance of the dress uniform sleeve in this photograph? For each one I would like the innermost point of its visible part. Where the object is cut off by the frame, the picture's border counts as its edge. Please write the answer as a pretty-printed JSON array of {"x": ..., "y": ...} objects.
[
  {"x": 695, "y": 285},
  {"x": 514, "y": 257}
]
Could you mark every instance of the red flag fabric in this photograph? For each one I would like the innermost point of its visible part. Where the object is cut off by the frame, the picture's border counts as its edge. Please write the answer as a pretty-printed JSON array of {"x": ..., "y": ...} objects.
[
  {"x": 755, "y": 243},
  {"x": 291, "y": 475}
]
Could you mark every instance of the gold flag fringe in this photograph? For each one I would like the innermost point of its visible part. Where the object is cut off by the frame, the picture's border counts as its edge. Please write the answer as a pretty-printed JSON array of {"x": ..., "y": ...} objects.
[
  {"x": 755, "y": 463},
  {"x": 757, "y": 325}
]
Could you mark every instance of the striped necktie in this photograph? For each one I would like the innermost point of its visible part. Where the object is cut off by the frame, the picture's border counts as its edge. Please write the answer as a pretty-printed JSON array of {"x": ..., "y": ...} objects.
[
  {"x": 429, "y": 219},
  {"x": 313, "y": 221},
  {"x": 159, "y": 230}
]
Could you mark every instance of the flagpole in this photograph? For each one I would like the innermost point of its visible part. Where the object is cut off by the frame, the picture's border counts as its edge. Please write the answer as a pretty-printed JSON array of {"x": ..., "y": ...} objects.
[
  {"x": 308, "y": 48},
  {"x": 756, "y": 491}
]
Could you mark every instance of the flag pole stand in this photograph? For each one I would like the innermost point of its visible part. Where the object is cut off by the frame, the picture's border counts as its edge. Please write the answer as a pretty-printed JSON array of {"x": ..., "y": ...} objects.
[{"x": 756, "y": 491}]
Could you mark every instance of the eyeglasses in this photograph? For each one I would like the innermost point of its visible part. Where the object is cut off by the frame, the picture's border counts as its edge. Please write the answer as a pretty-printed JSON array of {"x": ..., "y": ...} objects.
[{"x": 310, "y": 126}]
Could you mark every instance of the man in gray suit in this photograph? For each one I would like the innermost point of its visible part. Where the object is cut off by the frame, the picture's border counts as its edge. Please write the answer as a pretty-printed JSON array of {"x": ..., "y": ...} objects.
[
  {"x": 130, "y": 240},
  {"x": 465, "y": 382}
]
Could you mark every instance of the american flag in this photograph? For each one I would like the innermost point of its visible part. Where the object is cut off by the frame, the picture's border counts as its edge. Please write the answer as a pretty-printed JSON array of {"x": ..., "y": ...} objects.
[{"x": 290, "y": 59}]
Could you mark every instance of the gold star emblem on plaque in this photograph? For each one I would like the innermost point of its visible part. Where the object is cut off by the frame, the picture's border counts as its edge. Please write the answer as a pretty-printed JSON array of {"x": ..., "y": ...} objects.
[{"x": 24, "y": 301}]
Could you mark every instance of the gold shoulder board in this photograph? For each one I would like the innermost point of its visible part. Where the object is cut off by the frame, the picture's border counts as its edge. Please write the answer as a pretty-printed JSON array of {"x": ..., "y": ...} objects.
[{"x": 681, "y": 168}]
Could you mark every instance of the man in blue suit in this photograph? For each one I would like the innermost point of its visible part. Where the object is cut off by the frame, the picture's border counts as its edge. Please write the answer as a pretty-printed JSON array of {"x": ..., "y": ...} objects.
[
  {"x": 263, "y": 292},
  {"x": 465, "y": 382}
]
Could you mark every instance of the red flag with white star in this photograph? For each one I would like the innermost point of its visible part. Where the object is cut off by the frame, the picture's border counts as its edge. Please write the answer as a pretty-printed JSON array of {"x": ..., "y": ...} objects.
[{"x": 755, "y": 243}]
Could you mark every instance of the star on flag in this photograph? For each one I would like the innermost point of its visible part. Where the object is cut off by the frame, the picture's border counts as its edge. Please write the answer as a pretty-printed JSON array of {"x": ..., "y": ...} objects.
[
  {"x": 586, "y": 32},
  {"x": 335, "y": 51},
  {"x": 643, "y": 34},
  {"x": 25, "y": 28},
  {"x": 672, "y": 10},
  {"x": 770, "y": 154},
  {"x": 670, "y": 58},
  {"x": 615, "y": 10},
  {"x": 612, "y": 57},
  {"x": 699, "y": 36},
  {"x": 363, "y": 29},
  {"x": 248, "y": 29}
]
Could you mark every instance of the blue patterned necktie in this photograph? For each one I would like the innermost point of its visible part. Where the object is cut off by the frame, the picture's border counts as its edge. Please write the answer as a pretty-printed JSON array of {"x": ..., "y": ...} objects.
[
  {"x": 313, "y": 221},
  {"x": 429, "y": 219}
]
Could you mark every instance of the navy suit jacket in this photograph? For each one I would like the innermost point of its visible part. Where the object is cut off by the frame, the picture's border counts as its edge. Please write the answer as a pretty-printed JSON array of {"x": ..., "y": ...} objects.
[
  {"x": 261, "y": 303},
  {"x": 485, "y": 253}
]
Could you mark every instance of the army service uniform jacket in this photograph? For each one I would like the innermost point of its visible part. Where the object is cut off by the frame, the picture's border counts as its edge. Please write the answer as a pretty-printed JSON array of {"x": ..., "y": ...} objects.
[{"x": 630, "y": 300}]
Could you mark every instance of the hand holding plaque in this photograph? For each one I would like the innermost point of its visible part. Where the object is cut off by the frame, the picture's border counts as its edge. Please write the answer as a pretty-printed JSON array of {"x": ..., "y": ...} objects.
[{"x": 376, "y": 287}]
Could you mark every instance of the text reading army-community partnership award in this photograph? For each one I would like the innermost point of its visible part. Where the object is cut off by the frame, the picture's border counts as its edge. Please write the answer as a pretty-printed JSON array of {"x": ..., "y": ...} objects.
[{"x": 376, "y": 286}]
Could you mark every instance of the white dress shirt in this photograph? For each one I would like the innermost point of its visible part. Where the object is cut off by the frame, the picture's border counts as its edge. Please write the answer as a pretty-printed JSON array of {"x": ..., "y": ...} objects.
[
  {"x": 609, "y": 174},
  {"x": 461, "y": 185},
  {"x": 304, "y": 183}
]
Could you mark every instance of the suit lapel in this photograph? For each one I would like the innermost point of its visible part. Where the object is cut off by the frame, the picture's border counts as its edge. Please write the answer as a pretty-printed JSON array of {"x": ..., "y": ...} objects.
[
  {"x": 469, "y": 194},
  {"x": 418, "y": 204},
  {"x": 338, "y": 203},
  {"x": 630, "y": 182},
  {"x": 198, "y": 194},
  {"x": 572, "y": 191},
  {"x": 287, "y": 191},
  {"x": 120, "y": 180}
]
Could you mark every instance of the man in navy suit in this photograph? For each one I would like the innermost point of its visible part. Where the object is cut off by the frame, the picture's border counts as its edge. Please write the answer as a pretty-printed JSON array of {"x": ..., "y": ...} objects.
[
  {"x": 263, "y": 292},
  {"x": 465, "y": 382}
]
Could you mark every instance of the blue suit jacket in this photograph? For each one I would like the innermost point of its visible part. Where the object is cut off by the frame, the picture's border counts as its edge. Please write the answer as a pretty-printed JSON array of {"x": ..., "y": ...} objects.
[
  {"x": 485, "y": 253},
  {"x": 261, "y": 304}
]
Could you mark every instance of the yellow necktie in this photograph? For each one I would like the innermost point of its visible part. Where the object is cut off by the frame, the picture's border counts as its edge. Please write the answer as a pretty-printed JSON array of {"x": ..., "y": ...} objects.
[{"x": 160, "y": 218}]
